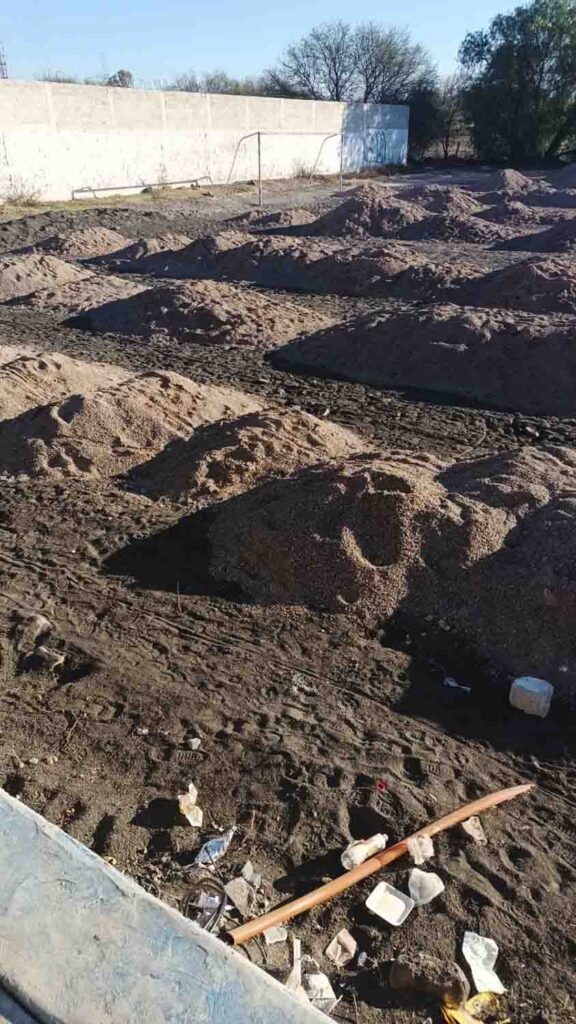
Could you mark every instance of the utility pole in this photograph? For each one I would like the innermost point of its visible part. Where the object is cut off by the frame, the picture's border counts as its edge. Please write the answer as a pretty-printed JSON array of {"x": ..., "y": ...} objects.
[{"x": 3, "y": 65}]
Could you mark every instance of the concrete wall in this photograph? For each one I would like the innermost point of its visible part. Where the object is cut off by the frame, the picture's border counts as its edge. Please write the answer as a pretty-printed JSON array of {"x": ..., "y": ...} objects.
[{"x": 55, "y": 137}]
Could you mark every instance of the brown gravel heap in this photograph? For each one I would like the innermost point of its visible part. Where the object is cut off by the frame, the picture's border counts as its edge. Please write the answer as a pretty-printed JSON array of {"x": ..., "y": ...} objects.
[
  {"x": 452, "y": 227},
  {"x": 560, "y": 238},
  {"x": 128, "y": 254},
  {"x": 226, "y": 457},
  {"x": 501, "y": 358},
  {"x": 207, "y": 313},
  {"x": 370, "y": 210},
  {"x": 539, "y": 285},
  {"x": 109, "y": 431},
  {"x": 20, "y": 275},
  {"x": 200, "y": 257},
  {"x": 256, "y": 220},
  {"x": 27, "y": 381},
  {"x": 78, "y": 296},
  {"x": 488, "y": 545},
  {"x": 445, "y": 199},
  {"x": 79, "y": 244},
  {"x": 511, "y": 211},
  {"x": 508, "y": 179}
]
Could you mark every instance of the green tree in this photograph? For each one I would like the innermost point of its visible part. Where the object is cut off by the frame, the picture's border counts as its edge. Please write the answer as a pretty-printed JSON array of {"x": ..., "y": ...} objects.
[{"x": 521, "y": 101}]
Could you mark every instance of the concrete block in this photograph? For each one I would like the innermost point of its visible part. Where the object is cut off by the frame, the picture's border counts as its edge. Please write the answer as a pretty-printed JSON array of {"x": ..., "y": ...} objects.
[{"x": 81, "y": 943}]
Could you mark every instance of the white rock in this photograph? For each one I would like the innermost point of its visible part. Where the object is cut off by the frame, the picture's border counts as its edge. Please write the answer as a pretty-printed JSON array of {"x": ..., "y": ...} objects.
[
  {"x": 320, "y": 992},
  {"x": 240, "y": 893},
  {"x": 473, "y": 828},
  {"x": 275, "y": 934},
  {"x": 531, "y": 695}
]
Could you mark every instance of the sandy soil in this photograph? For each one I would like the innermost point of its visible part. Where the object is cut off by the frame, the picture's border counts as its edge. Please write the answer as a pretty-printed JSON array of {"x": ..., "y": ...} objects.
[{"x": 315, "y": 725}]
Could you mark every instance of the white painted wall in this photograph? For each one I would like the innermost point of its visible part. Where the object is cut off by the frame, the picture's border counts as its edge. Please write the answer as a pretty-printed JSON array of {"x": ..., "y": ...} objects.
[{"x": 56, "y": 137}]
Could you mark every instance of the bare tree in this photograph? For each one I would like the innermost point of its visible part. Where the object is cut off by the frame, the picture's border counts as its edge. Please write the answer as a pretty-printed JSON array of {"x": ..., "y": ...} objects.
[
  {"x": 322, "y": 65},
  {"x": 452, "y": 121},
  {"x": 389, "y": 64}
]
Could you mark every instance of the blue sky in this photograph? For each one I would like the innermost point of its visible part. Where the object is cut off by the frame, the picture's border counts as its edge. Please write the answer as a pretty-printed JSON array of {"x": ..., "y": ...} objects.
[{"x": 158, "y": 39}]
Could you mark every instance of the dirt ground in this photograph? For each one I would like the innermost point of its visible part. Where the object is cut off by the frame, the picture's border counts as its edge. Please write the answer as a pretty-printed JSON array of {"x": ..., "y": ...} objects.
[{"x": 314, "y": 728}]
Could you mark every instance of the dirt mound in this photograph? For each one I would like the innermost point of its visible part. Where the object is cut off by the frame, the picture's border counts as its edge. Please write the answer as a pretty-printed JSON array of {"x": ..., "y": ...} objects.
[
  {"x": 370, "y": 210},
  {"x": 511, "y": 211},
  {"x": 539, "y": 286},
  {"x": 199, "y": 258},
  {"x": 77, "y": 296},
  {"x": 27, "y": 381},
  {"x": 508, "y": 179},
  {"x": 407, "y": 534},
  {"x": 142, "y": 247},
  {"x": 558, "y": 199},
  {"x": 256, "y": 220},
  {"x": 82, "y": 243},
  {"x": 207, "y": 313},
  {"x": 560, "y": 238},
  {"x": 20, "y": 275},
  {"x": 451, "y": 227},
  {"x": 501, "y": 359},
  {"x": 445, "y": 199},
  {"x": 223, "y": 458},
  {"x": 113, "y": 429}
]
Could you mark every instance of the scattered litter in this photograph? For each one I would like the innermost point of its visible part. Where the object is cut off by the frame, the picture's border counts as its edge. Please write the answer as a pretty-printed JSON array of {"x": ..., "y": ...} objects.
[
  {"x": 251, "y": 876},
  {"x": 205, "y": 903},
  {"x": 275, "y": 934},
  {"x": 294, "y": 981},
  {"x": 454, "y": 685},
  {"x": 142, "y": 730},
  {"x": 194, "y": 743},
  {"x": 481, "y": 955},
  {"x": 531, "y": 695},
  {"x": 361, "y": 849},
  {"x": 342, "y": 949},
  {"x": 420, "y": 848},
  {"x": 215, "y": 848},
  {"x": 189, "y": 808},
  {"x": 240, "y": 892},
  {"x": 390, "y": 904},
  {"x": 320, "y": 992},
  {"x": 473, "y": 828},
  {"x": 51, "y": 759},
  {"x": 424, "y": 886},
  {"x": 485, "y": 1006}
]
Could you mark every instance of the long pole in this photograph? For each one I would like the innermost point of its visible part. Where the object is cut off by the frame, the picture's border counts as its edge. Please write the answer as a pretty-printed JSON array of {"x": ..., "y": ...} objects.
[
  {"x": 338, "y": 885},
  {"x": 259, "y": 169},
  {"x": 341, "y": 160}
]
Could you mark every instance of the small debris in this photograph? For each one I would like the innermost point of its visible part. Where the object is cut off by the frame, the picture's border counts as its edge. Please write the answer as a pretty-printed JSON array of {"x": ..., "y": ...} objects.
[
  {"x": 275, "y": 934},
  {"x": 33, "y": 760},
  {"x": 50, "y": 660},
  {"x": 320, "y": 992},
  {"x": 473, "y": 828},
  {"x": 189, "y": 808},
  {"x": 251, "y": 876},
  {"x": 194, "y": 743},
  {"x": 531, "y": 695},
  {"x": 390, "y": 904},
  {"x": 294, "y": 981},
  {"x": 424, "y": 886},
  {"x": 342, "y": 949},
  {"x": 241, "y": 893},
  {"x": 51, "y": 759},
  {"x": 142, "y": 730},
  {"x": 481, "y": 954},
  {"x": 214, "y": 849},
  {"x": 420, "y": 973},
  {"x": 420, "y": 848},
  {"x": 454, "y": 685},
  {"x": 361, "y": 849}
]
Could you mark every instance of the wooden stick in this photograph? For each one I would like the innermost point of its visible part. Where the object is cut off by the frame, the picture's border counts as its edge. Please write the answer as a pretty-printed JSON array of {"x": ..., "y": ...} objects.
[{"x": 337, "y": 885}]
